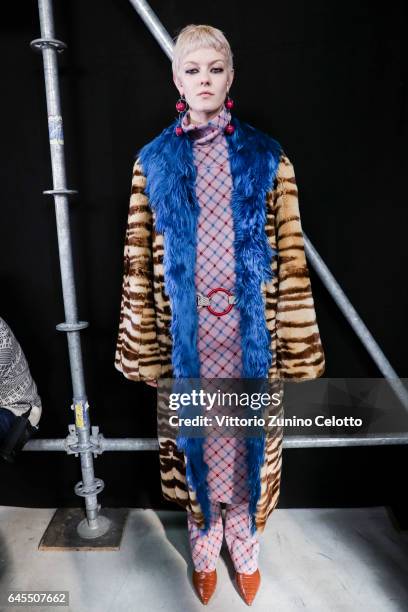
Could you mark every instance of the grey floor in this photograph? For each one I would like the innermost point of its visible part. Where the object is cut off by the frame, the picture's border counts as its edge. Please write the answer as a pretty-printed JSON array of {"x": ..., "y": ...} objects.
[{"x": 321, "y": 560}]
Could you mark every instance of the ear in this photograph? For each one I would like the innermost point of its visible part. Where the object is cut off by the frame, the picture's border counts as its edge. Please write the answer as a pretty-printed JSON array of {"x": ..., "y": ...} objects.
[
  {"x": 178, "y": 83},
  {"x": 230, "y": 78}
]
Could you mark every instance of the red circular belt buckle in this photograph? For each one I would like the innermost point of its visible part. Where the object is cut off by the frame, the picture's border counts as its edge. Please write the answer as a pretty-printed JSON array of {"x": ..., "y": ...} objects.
[{"x": 223, "y": 312}]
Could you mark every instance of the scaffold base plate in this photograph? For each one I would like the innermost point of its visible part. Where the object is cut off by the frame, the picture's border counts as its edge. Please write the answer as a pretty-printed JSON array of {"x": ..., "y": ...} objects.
[{"x": 61, "y": 533}]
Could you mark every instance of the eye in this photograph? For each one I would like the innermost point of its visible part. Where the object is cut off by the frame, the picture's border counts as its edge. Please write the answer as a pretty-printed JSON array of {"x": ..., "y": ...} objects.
[{"x": 218, "y": 69}]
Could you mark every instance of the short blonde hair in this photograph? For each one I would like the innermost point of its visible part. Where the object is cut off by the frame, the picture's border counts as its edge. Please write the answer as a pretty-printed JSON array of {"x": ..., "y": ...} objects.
[{"x": 193, "y": 37}]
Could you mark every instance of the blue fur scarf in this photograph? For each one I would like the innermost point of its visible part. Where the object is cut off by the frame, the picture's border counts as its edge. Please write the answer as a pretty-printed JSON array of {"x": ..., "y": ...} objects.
[{"x": 168, "y": 165}]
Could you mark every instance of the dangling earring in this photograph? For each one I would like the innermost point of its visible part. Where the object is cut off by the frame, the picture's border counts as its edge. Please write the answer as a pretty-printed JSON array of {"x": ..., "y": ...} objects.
[
  {"x": 181, "y": 107},
  {"x": 229, "y": 104}
]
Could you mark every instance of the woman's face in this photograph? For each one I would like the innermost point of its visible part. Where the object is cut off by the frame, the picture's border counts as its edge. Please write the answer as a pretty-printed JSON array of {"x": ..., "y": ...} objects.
[{"x": 204, "y": 70}]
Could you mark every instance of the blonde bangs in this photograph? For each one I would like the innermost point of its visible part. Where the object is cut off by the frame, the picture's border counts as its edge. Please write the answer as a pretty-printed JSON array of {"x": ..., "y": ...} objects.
[{"x": 193, "y": 37}]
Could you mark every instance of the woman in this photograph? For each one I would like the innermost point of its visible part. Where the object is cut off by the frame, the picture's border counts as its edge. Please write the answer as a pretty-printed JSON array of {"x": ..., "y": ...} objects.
[{"x": 216, "y": 285}]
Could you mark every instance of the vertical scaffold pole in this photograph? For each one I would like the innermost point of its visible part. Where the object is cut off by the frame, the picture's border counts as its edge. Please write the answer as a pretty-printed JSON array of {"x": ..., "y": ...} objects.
[{"x": 94, "y": 525}]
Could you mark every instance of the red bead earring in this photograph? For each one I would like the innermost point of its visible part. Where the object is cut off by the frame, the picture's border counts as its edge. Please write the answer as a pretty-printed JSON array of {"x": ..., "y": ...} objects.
[
  {"x": 229, "y": 128},
  {"x": 181, "y": 107},
  {"x": 229, "y": 103},
  {"x": 181, "y": 104}
]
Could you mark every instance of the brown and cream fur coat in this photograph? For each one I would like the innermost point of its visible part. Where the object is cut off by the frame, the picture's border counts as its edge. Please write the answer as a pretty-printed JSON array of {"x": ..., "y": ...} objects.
[{"x": 145, "y": 340}]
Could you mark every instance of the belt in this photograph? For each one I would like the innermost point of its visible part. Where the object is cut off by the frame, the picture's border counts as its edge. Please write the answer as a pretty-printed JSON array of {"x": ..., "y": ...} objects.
[{"x": 205, "y": 300}]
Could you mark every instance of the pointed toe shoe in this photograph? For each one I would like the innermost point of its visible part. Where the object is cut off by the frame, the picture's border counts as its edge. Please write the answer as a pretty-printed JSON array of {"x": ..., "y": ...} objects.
[
  {"x": 248, "y": 585},
  {"x": 204, "y": 584}
]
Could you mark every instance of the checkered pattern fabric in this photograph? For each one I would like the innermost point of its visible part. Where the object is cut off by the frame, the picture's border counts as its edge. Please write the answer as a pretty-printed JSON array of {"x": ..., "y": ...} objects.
[
  {"x": 219, "y": 346},
  {"x": 242, "y": 546},
  {"x": 227, "y": 469},
  {"x": 219, "y": 342},
  {"x": 218, "y": 337},
  {"x": 205, "y": 549}
]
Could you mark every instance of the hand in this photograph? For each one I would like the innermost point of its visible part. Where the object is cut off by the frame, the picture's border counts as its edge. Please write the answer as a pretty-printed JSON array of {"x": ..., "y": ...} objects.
[{"x": 151, "y": 383}]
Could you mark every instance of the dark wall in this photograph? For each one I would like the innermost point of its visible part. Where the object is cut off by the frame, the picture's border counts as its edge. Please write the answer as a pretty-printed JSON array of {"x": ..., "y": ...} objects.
[{"x": 328, "y": 81}]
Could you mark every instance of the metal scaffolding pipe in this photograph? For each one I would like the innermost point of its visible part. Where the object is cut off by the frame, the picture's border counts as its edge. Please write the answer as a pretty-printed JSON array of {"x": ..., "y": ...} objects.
[
  {"x": 154, "y": 25},
  {"x": 356, "y": 322},
  {"x": 152, "y": 444},
  {"x": 49, "y": 46},
  {"x": 163, "y": 38}
]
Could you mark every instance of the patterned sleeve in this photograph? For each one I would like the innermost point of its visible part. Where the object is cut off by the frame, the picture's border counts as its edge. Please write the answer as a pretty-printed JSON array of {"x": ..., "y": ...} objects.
[
  {"x": 300, "y": 353},
  {"x": 6, "y": 350},
  {"x": 137, "y": 350}
]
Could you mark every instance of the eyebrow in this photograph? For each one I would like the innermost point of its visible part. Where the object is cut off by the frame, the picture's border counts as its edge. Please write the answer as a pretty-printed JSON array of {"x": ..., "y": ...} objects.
[{"x": 196, "y": 63}]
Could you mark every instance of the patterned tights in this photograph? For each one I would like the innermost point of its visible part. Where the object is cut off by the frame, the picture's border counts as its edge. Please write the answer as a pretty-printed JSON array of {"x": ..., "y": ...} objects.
[{"x": 243, "y": 547}]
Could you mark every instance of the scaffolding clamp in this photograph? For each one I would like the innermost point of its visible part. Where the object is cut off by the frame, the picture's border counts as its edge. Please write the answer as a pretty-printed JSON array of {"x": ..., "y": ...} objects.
[
  {"x": 96, "y": 440},
  {"x": 73, "y": 446}
]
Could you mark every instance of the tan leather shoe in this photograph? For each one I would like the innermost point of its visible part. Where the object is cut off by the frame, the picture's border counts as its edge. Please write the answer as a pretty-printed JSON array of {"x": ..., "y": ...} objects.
[
  {"x": 204, "y": 584},
  {"x": 248, "y": 585}
]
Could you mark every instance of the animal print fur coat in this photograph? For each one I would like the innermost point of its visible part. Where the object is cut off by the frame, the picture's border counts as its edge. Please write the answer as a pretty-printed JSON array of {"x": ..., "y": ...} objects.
[{"x": 157, "y": 335}]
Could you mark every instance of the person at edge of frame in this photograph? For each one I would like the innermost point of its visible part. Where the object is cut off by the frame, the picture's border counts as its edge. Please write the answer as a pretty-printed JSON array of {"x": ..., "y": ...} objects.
[{"x": 20, "y": 404}]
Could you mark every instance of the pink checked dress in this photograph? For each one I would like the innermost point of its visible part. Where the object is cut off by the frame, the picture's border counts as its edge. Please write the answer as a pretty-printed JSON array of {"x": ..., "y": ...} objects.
[{"x": 219, "y": 345}]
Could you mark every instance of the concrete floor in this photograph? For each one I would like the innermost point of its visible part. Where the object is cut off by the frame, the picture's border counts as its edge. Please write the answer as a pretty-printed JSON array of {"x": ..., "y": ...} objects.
[{"x": 322, "y": 560}]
